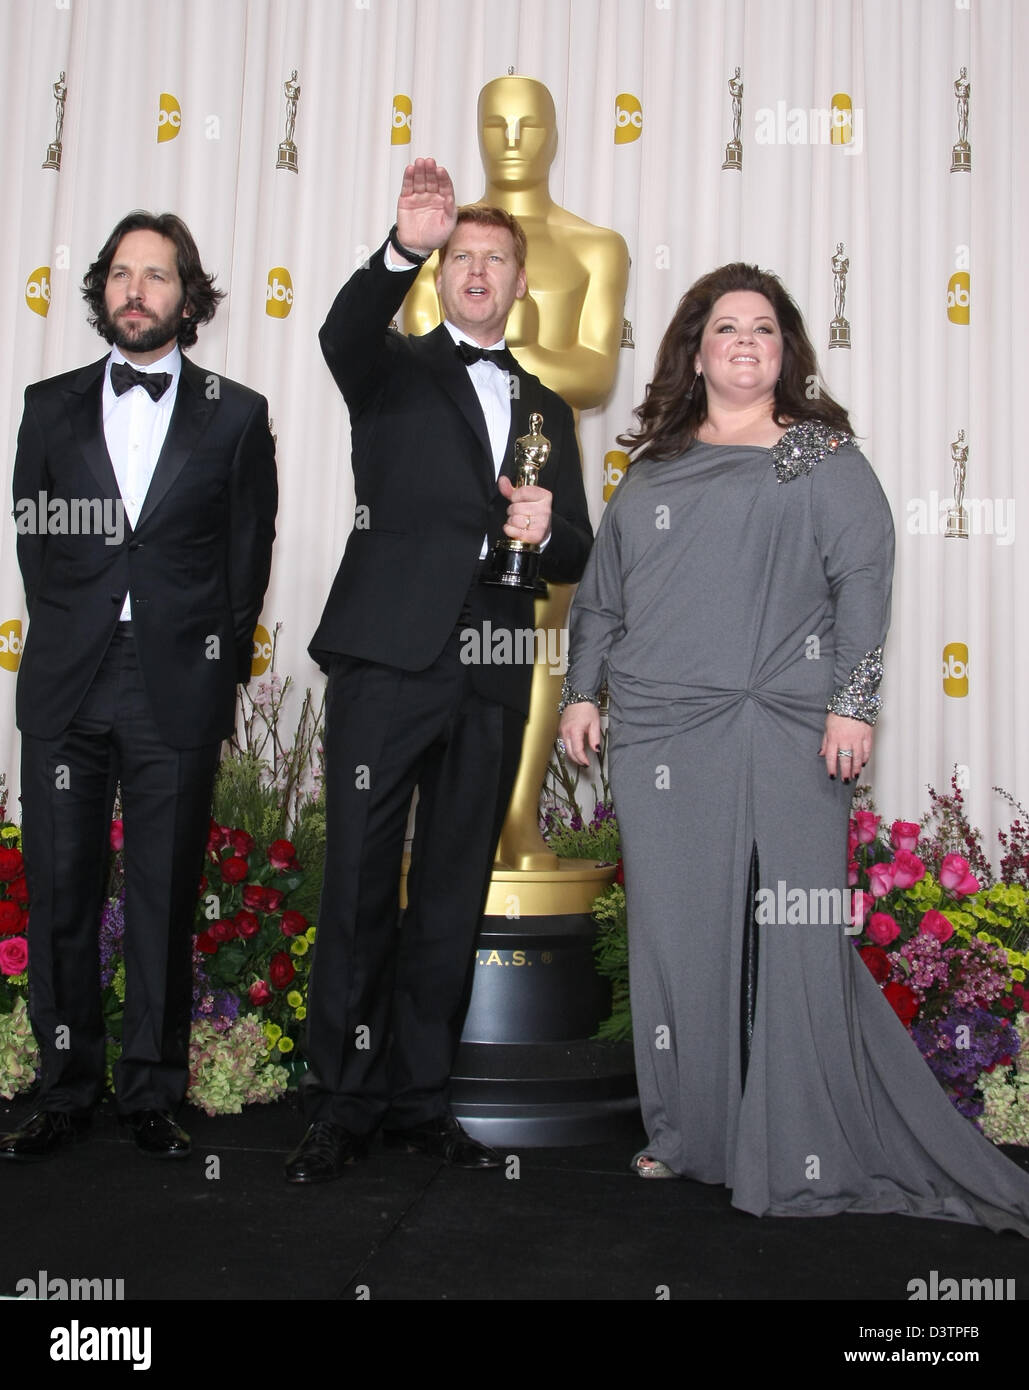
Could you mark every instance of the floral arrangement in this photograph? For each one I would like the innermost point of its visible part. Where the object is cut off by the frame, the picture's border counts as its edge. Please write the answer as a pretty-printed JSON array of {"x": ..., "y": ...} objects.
[
  {"x": 945, "y": 939},
  {"x": 253, "y": 932},
  {"x": 945, "y": 942}
]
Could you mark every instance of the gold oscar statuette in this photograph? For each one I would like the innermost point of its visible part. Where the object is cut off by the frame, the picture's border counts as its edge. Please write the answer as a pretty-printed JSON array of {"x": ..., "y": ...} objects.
[{"x": 516, "y": 564}]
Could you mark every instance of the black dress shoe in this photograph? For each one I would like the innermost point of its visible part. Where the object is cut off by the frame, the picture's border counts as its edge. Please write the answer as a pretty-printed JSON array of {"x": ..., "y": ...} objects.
[
  {"x": 324, "y": 1152},
  {"x": 156, "y": 1133},
  {"x": 43, "y": 1134},
  {"x": 443, "y": 1138}
]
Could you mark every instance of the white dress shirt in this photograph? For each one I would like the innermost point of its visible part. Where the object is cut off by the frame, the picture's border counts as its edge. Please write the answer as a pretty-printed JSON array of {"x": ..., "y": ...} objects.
[{"x": 135, "y": 428}]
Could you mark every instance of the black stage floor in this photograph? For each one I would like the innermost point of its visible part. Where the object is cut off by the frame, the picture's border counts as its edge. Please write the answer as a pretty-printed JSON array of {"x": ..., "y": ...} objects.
[{"x": 558, "y": 1225}]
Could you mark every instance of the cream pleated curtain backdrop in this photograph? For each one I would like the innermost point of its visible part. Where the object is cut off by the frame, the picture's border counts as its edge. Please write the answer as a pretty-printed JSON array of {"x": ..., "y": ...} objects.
[{"x": 180, "y": 105}]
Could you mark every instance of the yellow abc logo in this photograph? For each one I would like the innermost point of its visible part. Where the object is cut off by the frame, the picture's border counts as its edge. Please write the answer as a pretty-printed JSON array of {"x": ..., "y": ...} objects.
[
  {"x": 37, "y": 290},
  {"x": 10, "y": 644},
  {"x": 169, "y": 117},
  {"x": 955, "y": 669},
  {"x": 262, "y": 651},
  {"x": 628, "y": 118},
  {"x": 842, "y": 132},
  {"x": 278, "y": 299},
  {"x": 959, "y": 296},
  {"x": 615, "y": 464},
  {"x": 400, "y": 132}
]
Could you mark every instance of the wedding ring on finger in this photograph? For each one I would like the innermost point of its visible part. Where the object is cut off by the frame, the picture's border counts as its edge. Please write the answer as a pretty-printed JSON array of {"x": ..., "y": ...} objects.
[{"x": 528, "y": 522}]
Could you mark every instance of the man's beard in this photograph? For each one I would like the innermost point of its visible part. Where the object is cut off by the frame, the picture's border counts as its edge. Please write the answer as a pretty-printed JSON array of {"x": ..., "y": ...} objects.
[{"x": 142, "y": 335}]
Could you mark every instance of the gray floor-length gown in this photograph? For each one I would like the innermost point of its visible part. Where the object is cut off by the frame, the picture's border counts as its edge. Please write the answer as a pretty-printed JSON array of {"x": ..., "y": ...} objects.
[{"x": 731, "y": 595}]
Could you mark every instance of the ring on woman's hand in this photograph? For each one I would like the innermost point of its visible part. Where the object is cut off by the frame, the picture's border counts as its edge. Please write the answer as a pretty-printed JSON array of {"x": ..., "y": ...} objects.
[
  {"x": 845, "y": 753},
  {"x": 528, "y": 522}
]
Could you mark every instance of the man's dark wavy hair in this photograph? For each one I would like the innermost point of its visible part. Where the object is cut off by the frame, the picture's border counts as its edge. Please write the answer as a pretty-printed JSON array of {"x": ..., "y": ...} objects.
[
  {"x": 202, "y": 299},
  {"x": 675, "y": 405}
]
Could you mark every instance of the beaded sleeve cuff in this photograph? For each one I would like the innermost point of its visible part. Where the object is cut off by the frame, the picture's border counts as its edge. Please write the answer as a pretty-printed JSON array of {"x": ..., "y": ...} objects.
[
  {"x": 575, "y": 697},
  {"x": 857, "y": 699}
]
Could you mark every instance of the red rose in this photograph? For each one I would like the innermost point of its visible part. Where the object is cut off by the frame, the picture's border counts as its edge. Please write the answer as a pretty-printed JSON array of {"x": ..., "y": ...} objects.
[
  {"x": 620, "y": 872},
  {"x": 259, "y": 993},
  {"x": 222, "y": 930},
  {"x": 280, "y": 970},
  {"x": 904, "y": 835},
  {"x": 246, "y": 924},
  {"x": 882, "y": 928},
  {"x": 935, "y": 924},
  {"x": 902, "y": 1001},
  {"x": 272, "y": 899},
  {"x": 10, "y": 864},
  {"x": 10, "y": 917},
  {"x": 293, "y": 923},
  {"x": 117, "y": 835},
  {"x": 234, "y": 869},
  {"x": 206, "y": 943},
  {"x": 281, "y": 855},
  {"x": 214, "y": 837},
  {"x": 18, "y": 889},
  {"x": 877, "y": 961},
  {"x": 14, "y": 955},
  {"x": 254, "y": 897},
  {"x": 241, "y": 842}
]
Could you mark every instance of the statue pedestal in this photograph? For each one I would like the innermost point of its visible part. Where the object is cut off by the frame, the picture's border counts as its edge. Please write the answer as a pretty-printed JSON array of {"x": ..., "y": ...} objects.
[{"x": 527, "y": 1073}]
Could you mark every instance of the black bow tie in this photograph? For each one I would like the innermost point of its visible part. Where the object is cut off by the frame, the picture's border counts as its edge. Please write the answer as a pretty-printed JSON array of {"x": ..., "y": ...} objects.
[
  {"x": 470, "y": 352},
  {"x": 124, "y": 377}
]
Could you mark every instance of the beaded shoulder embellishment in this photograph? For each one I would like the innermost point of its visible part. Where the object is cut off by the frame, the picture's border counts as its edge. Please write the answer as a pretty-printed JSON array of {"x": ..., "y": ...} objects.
[{"x": 802, "y": 446}]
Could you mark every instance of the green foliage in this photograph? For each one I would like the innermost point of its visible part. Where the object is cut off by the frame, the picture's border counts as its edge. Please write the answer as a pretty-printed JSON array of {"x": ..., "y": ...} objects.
[
  {"x": 611, "y": 953},
  {"x": 598, "y": 841}
]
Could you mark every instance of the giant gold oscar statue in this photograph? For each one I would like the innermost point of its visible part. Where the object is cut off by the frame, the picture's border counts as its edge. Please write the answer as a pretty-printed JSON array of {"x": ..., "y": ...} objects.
[
  {"x": 567, "y": 330},
  {"x": 526, "y": 1072}
]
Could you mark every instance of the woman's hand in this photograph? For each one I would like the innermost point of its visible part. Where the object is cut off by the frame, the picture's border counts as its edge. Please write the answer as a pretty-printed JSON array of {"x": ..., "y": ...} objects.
[
  {"x": 580, "y": 730},
  {"x": 846, "y": 746}
]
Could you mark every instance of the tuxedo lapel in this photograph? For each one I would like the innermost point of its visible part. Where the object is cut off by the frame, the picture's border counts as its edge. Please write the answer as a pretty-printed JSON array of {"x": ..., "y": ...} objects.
[
  {"x": 438, "y": 350},
  {"x": 189, "y": 419},
  {"x": 84, "y": 403}
]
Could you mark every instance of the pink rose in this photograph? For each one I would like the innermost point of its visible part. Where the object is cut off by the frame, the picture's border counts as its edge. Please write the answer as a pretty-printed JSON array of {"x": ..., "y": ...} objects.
[
  {"x": 14, "y": 955},
  {"x": 935, "y": 924},
  {"x": 117, "y": 835},
  {"x": 880, "y": 879},
  {"x": 907, "y": 868},
  {"x": 882, "y": 928},
  {"x": 259, "y": 993},
  {"x": 904, "y": 835},
  {"x": 866, "y": 824},
  {"x": 852, "y": 873},
  {"x": 956, "y": 876},
  {"x": 861, "y": 905}
]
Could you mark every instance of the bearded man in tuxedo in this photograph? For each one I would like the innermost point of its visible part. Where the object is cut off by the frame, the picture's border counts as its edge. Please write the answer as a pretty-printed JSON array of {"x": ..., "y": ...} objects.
[{"x": 141, "y": 621}]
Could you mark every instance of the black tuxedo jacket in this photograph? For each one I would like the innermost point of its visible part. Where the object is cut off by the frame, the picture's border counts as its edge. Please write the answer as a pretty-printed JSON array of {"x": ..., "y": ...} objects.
[
  {"x": 427, "y": 491},
  {"x": 196, "y": 563}
]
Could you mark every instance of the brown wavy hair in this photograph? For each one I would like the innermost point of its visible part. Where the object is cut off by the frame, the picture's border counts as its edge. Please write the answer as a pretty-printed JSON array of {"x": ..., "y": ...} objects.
[
  {"x": 675, "y": 405},
  {"x": 202, "y": 299}
]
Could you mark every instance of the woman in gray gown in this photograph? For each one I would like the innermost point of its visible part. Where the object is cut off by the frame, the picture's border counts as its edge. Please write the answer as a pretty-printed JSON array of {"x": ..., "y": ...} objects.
[{"x": 736, "y": 604}]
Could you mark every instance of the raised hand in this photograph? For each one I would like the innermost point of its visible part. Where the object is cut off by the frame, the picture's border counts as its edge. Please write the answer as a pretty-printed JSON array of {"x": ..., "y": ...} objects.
[{"x": 426, "y": 208}]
